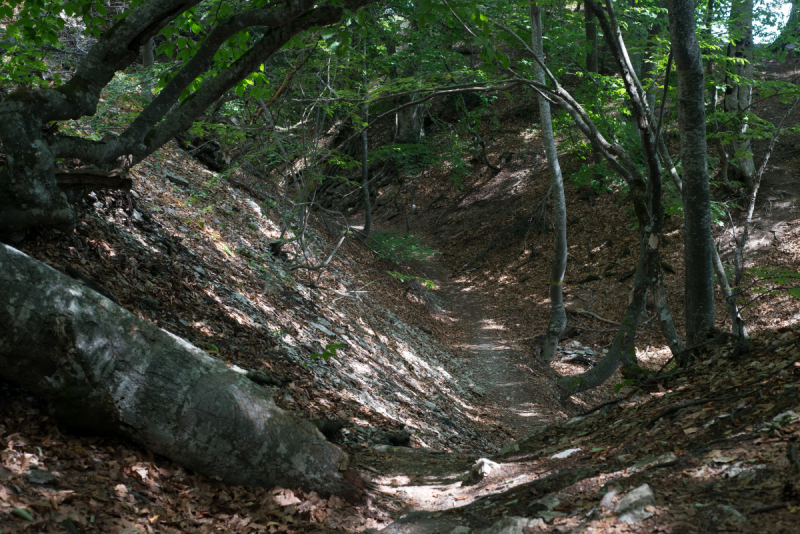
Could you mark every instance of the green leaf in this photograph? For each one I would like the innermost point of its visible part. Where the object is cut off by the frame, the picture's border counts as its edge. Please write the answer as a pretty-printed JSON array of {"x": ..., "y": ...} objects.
[
  {"x": 23, "y": 513},
  {"x": 329, "y": 352}
]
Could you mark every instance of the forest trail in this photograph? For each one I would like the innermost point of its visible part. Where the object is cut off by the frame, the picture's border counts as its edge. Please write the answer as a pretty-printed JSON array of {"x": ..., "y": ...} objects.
[{"x": 512, "y": 385}]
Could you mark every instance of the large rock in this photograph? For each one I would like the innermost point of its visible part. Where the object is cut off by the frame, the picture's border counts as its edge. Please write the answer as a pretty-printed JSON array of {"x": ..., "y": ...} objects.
[
  {"x": 104, "y": 370},
  {"x": 482, "y": 468}
]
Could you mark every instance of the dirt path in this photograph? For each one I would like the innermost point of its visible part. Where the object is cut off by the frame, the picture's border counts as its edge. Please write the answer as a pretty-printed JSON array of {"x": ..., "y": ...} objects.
[{"x": 515, "y": 389}]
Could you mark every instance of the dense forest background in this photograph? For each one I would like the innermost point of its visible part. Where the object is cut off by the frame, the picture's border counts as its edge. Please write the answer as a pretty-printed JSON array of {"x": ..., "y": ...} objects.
[{"x": 292, "y": 265}]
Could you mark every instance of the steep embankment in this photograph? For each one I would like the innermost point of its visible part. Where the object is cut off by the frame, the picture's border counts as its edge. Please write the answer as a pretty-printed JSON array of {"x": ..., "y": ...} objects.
[{"x": 189, "y": 251}]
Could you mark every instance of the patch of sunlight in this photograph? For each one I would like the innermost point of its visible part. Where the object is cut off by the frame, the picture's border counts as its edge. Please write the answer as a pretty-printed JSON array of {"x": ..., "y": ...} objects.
[
  {"x": 529, "y": 410},
  {"x": 407, "y": 354},
  {"x": 652, "y": 354},
  {"x": 360, "y": 367},
  {"x": 398, "y": 480},
  {"x": 366, "y": 328},
  {"x": 490, "y": 324}
]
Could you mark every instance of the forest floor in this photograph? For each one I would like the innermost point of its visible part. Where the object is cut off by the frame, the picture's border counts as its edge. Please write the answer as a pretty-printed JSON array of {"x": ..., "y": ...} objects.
[{"x": 455, "y": 367}]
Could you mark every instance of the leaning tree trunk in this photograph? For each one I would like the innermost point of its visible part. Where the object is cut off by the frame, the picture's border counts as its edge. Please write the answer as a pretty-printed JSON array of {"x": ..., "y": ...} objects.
[
  {"x": 102, "y": 369},
  {"x": 558, "y": 316},
  {"x": 739, "y": 93},
  {"x": 699, "y": 294},
  {"x": 623, "y": 349}
]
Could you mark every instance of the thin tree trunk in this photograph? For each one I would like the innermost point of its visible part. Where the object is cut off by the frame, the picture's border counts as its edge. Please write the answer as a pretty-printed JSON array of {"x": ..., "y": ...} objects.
[
  {"x": 699, "y": 293},
  {"x": 365, "y": 151},
  {"x": 148, "y": 59},
  {"x": 558, "y": 316},
  {"x": 591, "y": 40},
  {"x": 737, "y": 322},
  {"x": 739, "y": 96},
  {"x": 649, "y": 65},
  {"x": 739, "y": 256},
  {"x": 622, "y": 349},
  {"x": 102, "y": 369}
]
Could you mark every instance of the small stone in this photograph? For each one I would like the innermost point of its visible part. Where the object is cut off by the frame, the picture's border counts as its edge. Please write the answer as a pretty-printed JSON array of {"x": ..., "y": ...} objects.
[
  {"x": 631, "y": 507},
  {"x": 483, "y": 468},
  {"x": 429, "y": 405},
  {"x": 176, "y": 179},
  {"x": 564, "y": 454},
  {"x": 461, "y": 530},
  {"x": 37, "y": 476},
  {"x": 478, "y": 390}
]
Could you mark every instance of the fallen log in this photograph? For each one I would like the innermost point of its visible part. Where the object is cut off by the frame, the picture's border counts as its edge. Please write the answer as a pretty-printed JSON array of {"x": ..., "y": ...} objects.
[{"x": 102, "y": 369}]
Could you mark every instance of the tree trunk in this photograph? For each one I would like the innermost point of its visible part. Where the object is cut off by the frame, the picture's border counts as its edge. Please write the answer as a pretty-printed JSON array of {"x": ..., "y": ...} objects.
[
  {"x": 104, "y": 370},
  {"x": 409, "y": 122},
  {"x": 148, "y": 59},
  {"x": 365, "y": 152},
  {"x": 29, "y": 194},
  {"x": 737, "y": 321},
  {"x": 558, "y": 316},
  {"x": 699, "y": 294},
  {"x": 623, "y": 348},
  {"x": 591, "y": 40},
  {"x": 738, "y": 96}
]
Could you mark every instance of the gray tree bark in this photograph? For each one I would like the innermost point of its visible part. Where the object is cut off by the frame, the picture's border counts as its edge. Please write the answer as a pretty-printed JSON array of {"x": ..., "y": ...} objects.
[
  {"x": 699, "y": 294},
  {"x": 558, "y": 315},
  {"x": 739, "y": 96},
  {"x": 410, "y": 122},
  {"x": 590, "y": 27},
  {"x": 102, "y": 369},
  {"x": 148, "y": 59},
  {"x": 365, "y": 151}
]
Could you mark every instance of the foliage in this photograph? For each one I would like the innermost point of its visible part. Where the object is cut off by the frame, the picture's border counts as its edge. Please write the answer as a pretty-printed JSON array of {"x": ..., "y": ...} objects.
[
  {"x": 772, "y": 280},
  {"x": 408, "y": 278},
  {"x": 329, "y": 352},
  {"x": 396, "y": 248}
]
